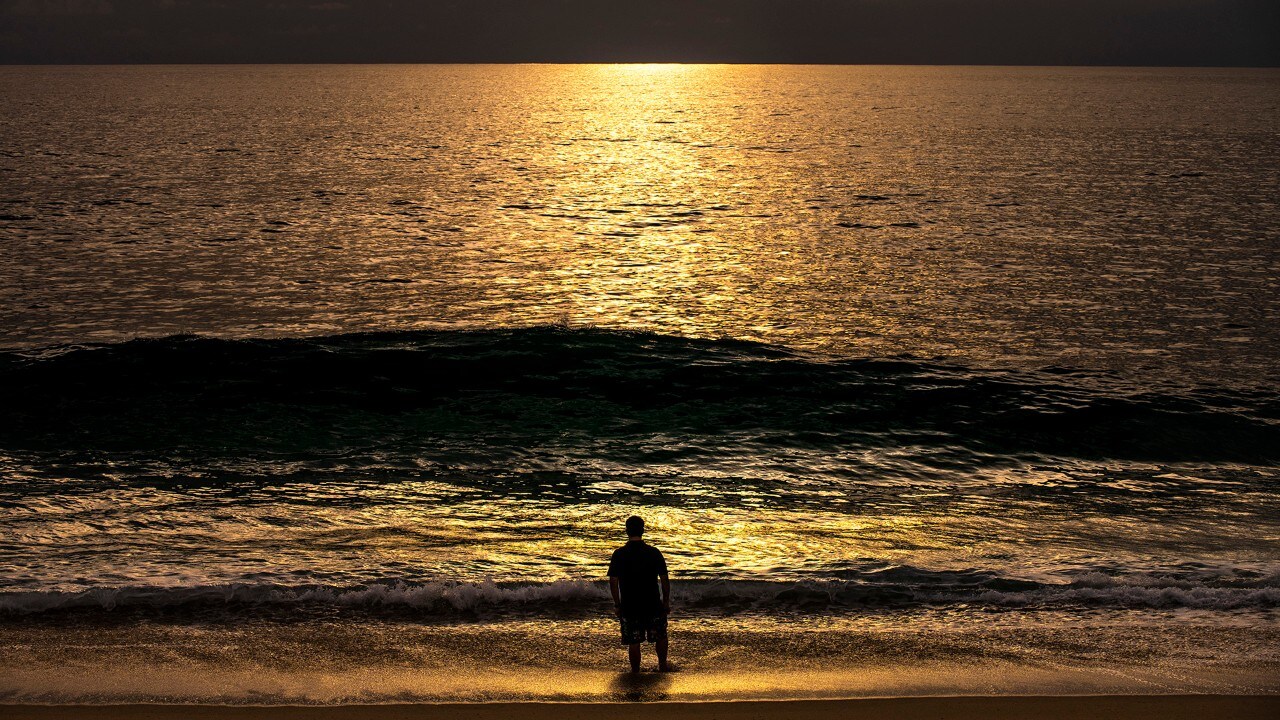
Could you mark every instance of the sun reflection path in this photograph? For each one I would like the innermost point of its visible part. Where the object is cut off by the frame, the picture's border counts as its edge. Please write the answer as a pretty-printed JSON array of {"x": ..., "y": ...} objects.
[
  {"x": 650, "y": 213},
  {"x": 522, "y": 538}
]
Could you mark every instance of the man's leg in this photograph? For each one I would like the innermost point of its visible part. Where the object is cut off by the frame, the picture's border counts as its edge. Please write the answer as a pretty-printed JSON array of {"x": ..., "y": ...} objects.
[
  {"x": 633, "y": 653},
  {"x": 661, "y": 647}
]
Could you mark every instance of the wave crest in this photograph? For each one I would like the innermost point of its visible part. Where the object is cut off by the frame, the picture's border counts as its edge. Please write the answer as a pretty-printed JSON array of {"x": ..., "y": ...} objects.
[{"x": 569, "y": 597}]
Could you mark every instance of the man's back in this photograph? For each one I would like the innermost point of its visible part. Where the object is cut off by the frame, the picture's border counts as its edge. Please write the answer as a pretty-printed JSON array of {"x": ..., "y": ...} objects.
[
  {"x": 637, "y": 566},
  {"x": 634, "y": 571}
]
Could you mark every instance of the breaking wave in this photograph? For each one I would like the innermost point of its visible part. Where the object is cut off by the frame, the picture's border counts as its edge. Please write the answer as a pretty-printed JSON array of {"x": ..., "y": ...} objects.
[{"x": 901, "y": 587}]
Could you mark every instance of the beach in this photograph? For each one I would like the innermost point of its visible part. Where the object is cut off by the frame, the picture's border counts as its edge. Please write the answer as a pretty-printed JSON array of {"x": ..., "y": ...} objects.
[{"x": 1150, "y": 707}]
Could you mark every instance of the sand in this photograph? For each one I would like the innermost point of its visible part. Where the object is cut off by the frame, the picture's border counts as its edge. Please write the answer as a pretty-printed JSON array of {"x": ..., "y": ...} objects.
[{"x": 1159, "y": 707}]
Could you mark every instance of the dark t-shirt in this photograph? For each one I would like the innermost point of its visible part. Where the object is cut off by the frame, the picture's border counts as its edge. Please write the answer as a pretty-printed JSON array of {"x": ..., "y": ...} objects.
[{"x": 637, "y": 567}]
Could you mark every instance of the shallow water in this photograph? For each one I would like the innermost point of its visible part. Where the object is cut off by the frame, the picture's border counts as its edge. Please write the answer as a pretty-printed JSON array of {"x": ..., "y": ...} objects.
[
  {"x": 933, "y": 349},
  {"x": 874, "y": 654}
]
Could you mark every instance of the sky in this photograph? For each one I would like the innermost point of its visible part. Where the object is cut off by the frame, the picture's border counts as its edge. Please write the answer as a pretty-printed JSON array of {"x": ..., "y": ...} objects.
[{"x": 1003, "y": 32}]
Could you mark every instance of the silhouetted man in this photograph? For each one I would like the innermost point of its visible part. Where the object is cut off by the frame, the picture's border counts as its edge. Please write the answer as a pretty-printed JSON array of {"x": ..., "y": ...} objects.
[{"x": 634, "y": 573}]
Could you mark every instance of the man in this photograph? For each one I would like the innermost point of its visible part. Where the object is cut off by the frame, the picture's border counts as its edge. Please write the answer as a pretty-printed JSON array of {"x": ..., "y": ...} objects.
[{"x": 634, "y": 574}]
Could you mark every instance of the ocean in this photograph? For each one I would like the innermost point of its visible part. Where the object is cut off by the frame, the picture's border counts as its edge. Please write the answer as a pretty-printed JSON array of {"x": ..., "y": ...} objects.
[{"x": 333, "y": 384}]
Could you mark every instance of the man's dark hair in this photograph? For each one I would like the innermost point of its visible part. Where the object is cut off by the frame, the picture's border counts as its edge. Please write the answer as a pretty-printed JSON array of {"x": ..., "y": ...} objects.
[{"x": 635, "y": 526}]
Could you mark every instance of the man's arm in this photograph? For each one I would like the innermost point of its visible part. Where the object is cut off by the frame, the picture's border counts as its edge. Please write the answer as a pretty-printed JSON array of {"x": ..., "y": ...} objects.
[
  {"x": 617, "y": 597},
  {"x": 666, "y": 582}
]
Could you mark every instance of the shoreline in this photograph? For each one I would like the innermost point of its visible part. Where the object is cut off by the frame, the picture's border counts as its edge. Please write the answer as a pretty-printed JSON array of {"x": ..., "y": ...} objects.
[{"x": 1042, "y": 707}]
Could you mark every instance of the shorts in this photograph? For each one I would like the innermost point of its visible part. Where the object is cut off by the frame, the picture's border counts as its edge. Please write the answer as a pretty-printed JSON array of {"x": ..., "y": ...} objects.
[{"x": 644, "y": 628}]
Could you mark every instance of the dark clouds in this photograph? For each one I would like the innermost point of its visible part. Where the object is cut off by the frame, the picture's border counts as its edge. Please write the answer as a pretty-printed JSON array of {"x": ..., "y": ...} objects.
[{"x": 1042, "y": 32}]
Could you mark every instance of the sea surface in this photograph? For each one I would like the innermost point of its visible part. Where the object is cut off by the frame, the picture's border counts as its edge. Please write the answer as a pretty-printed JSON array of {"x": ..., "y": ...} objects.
[{"x": 335, "y": 384}]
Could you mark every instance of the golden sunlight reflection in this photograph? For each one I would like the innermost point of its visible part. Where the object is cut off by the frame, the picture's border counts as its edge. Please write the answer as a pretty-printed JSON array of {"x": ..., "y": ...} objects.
[
  {"x": 721, "y": 659},
  {"x": 509, "y": 539},
  {"x": 207, "y": 682},
  {"x": 624, "y": 217},
  {"x": 636, "y": 179},
  {"x": 680, "y": 199}
]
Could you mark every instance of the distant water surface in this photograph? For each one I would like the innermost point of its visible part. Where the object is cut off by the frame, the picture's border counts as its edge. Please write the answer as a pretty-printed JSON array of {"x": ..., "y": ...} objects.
[
  {"x": 321, "y": 383},
  {"x": 1120, "y": 218}
]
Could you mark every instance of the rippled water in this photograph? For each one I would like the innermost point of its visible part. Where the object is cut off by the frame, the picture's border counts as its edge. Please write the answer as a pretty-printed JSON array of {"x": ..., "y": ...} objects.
[
  {"x": 1101, "y": 217},
  {"x": 875, "y": 350}
]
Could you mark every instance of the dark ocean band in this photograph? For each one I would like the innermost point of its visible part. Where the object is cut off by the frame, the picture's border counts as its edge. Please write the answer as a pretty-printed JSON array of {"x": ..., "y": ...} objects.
[{"x": 616, "y": 395}]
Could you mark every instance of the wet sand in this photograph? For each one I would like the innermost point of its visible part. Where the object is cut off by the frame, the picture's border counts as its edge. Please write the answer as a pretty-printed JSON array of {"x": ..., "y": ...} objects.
[{"x": 1159, "y": 707}]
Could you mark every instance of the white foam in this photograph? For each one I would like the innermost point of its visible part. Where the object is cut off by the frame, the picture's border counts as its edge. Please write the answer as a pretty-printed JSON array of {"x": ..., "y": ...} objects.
[{"x": 1091, "y": 589}]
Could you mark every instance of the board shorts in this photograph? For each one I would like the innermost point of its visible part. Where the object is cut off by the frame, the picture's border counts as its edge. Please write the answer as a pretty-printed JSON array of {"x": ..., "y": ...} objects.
[{"x": 645, "y": 628}]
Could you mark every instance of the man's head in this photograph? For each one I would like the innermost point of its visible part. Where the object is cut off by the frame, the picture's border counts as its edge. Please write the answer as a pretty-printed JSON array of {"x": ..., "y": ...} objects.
[{"x": 635, "y": 526}]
